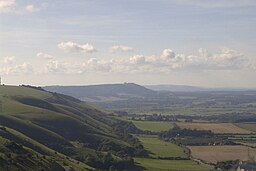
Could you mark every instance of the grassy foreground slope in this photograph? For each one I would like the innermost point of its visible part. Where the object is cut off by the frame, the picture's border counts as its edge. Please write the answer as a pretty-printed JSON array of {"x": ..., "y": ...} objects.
[
  {"x": 62, "y": 124},
  {"x": 14, "y": 156}
]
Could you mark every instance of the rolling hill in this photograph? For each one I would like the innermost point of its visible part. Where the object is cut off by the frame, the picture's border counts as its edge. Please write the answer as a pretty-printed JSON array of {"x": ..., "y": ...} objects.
[
  {"x": 177, "y": 88},
  {"x": 58, "y": 131},
  {"x": 104, "y": 92},
  {"x": 187, "y": 88}
]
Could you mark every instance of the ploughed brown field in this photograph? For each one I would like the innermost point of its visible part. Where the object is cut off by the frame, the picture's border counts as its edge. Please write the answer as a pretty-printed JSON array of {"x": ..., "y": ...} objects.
[
  {"x": 213, "y": 154},
  {"x": 218, "y": 128}
]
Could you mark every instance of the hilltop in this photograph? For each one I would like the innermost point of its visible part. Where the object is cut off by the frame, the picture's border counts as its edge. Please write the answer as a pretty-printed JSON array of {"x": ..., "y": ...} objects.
[{"x": 104, "y": 92}]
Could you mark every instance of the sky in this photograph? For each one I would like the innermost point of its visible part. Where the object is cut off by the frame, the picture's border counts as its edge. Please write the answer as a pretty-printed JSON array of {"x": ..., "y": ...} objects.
[{"x": 81, "y": 42}]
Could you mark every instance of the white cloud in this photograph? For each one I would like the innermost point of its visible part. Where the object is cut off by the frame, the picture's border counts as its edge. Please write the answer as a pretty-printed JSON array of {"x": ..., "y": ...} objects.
[
  {"x": 24, "y": 68},
  {"x": 31, "y": 9},
  {"x": 168, "y": 54},
  {"x": 138, "y": 59},
  {"x": 120, "y": 48},
  {"x": 94, "y": 64},
  {"x": 6, "y": 5},
  {"x": 225, "y": 59},
  {"x": 10, "y": 6},
  {"x": 91, "y": 65},
  {"x": 75, "y": 47},
  {"x": 44, "y": 56},
  {"x": 166, "y": 62},
  {"x": 9, "y": 59},
  {"x": 227, "y": 55},
  {"x": 203, "y": 53},
  {"x": 56, "y": 67},
  {"x": 9, "y": 65}
]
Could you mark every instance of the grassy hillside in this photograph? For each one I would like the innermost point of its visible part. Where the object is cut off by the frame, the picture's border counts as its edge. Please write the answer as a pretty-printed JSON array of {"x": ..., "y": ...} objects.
[
  {"x": 51, "y": 123},
  {"x": 14, "y": 156}
]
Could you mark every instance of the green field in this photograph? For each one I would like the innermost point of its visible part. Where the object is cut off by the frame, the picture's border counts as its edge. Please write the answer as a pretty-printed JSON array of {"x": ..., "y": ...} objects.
[
  {"x": 169, "y": 165},
  {"x": 153, "y": 125},
  {"x": 159, "y": 148}
]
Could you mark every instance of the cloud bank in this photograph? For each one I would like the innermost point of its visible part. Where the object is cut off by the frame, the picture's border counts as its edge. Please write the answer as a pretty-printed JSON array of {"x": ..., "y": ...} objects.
[{"x": 167, "y": 61}]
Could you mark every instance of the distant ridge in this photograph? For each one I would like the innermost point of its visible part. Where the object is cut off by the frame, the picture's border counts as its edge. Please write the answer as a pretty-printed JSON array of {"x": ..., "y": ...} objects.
[
  {"x": 96, "y": 92},
  {"x": 125, "y": 91},
  {"x": 187, "y": 88},
  {"x": 175, "y": 88}
]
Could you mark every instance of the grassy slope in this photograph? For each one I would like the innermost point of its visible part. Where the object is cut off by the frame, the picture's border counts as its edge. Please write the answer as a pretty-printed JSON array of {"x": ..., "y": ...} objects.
[
  {"x": 159, "y": 148},
  {"x": 53, "y": 122},
  {"x": 23, "y": 91},
  {"x": 22, "y": 158},
  {"x": 153, "y": 125},
  {"x": 39, "y": 149}
]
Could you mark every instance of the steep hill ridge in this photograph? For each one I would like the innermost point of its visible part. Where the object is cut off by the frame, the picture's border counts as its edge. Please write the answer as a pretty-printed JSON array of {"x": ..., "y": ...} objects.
[{"x": 65, "y": 125}]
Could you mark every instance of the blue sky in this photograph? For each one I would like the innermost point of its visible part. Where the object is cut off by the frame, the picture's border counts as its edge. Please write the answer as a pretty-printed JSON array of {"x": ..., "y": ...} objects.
[{"x": 194, "y": 42}]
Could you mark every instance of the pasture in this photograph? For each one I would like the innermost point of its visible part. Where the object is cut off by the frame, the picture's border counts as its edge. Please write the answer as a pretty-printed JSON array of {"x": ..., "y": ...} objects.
[
  {"x": 159, "y": 148},
  {"x": 154, "y": 126},
  {"x": 218, "y": 128},
  {"x": 213, "y": 154},
  {"x": 169, "y": 165}
]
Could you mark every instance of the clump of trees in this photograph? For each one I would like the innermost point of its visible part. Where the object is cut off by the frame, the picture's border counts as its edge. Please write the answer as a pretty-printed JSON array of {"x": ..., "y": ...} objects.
[
  {"x": 178, "y": 132},
  {"x": 105, "y": 161},
  {"x": 124, "y": 129},
  {"x": 227, "y": 165}
]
